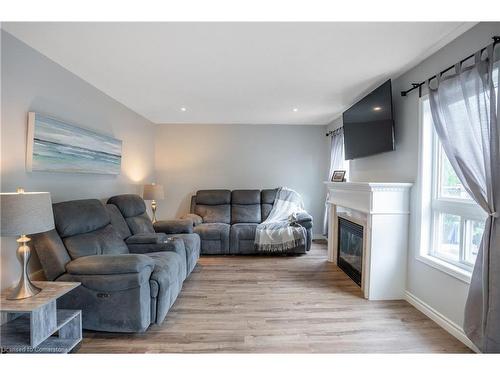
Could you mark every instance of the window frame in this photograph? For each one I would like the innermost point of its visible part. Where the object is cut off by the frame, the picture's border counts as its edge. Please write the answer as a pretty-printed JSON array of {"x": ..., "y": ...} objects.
[{"x": 432, "y": 205}]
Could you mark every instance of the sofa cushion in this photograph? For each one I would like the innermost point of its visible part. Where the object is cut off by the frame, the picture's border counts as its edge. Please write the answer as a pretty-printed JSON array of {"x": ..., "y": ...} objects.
[
  {"x": 128, "y": 204},
  {"x": 267, "y": 201},
  {"x": 214, "y": 214},
  {"x": 213, "y": 197},
  {"x": 212, "y": 231},
  {"x": 80, "y": 216},
  {"x": 245, "y": 197},
  {"x": 214, "y": 237},
  {"x": 169, "y": 267},
  {"x": 245, "y": 206},
  {"x": 245, "y": 213},
  {"x": 146, "y": 238},
  {"x": 244, "y": 231},
  {"x": 99, "y": 242},
  {"x": 192, "y": 247},
  {"x": 140, "y": 224},
  {"x": 51, "y": 252},
  {"x": 117, "y": 221},
  {"x": 242, "y": 238},
  {"x": 214, "y": 206},
  {"x": 174, "y": 226},
  {"x": 110, "y": 264},
  {"x": 166, "y": 280}
]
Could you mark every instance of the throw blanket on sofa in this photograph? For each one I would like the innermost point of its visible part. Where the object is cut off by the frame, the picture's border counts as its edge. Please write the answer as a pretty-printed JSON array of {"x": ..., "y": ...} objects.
[{"x": 280, "y": 231}]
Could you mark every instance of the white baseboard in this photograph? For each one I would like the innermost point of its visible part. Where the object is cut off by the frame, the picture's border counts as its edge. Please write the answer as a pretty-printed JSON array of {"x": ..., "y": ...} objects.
[
  {"x": 441, "y": 320},
  {"x": 317, "y": 236}
]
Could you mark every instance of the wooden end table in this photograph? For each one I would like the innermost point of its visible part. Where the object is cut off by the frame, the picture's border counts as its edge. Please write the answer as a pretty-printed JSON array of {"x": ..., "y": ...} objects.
[{"x": 35, "y": 325}]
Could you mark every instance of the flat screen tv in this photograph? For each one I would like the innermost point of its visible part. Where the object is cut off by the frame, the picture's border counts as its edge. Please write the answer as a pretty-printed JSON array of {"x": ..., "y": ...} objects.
[{"x": 369, "y": 124}]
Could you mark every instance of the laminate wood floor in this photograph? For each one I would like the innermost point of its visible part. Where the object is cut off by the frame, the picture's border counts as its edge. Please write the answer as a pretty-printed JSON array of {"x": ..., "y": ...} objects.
[{"x": 279, "y": 305}]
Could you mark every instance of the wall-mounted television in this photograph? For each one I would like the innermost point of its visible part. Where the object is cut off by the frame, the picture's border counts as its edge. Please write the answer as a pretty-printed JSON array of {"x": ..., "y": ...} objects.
[{"x": 369, "y": 124}]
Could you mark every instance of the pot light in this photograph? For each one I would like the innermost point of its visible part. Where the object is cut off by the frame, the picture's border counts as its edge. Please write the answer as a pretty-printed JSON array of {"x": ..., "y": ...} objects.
[
  {"x": 295, "y": 109},
  {"x": 183, "y": 109},
  {"x": 376, "y": 109}
]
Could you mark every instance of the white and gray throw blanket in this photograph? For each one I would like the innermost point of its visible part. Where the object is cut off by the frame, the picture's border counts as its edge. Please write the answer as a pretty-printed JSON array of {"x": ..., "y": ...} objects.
[{"x": 280, "y": 231}]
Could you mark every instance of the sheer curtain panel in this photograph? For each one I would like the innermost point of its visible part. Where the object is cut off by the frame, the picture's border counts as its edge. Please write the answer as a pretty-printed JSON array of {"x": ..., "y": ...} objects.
[
  {"x": 464, "y": 109},
  {"x": 336, "y": 163}
]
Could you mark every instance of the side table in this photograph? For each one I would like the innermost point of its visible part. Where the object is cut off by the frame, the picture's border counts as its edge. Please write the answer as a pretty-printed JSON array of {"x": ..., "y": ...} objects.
[{"x": 35, "y": 325}]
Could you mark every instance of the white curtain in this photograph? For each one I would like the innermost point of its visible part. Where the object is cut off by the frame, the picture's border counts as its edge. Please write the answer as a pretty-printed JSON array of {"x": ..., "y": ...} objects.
[
  {"x": 336, "y": 163},
  {"x": 464, "y": 110}
]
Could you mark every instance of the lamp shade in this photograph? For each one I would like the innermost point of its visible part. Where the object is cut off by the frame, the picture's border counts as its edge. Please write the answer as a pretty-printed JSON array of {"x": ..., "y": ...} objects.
[
  {"x": 153, "y": 192},
  {"x": 25, "y": 213}
]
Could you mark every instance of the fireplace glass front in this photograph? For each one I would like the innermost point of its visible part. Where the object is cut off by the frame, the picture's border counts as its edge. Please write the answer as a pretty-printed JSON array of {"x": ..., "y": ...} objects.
[{"x": 350, "y": 249}]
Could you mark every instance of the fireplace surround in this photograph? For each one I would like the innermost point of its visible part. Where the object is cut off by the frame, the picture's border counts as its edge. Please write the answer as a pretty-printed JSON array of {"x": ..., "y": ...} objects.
[{"x": 382, "y": 210}]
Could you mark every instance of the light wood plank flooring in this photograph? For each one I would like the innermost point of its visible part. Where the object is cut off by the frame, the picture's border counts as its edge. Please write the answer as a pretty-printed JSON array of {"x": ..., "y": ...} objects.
[{"x": 279, "y": 305}]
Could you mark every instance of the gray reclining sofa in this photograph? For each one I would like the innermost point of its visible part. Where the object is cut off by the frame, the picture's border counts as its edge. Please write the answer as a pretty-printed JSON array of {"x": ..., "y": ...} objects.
[
  {"x": 226, "y": 220},
  {"x": 131, "y": 271}
]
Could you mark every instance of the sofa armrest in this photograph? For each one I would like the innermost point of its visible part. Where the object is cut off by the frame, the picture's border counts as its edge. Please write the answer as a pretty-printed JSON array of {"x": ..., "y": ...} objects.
[
  {"x": 303, "y": 216},
  {"x": 174, "y": 226},
  {"x": 303, "y": 219},
  {"x": 197, "y": 219},
  {"x": 109, "y": 264},
  {"x": 146, "y": 238},
  {"x": 171, "y": 244}
]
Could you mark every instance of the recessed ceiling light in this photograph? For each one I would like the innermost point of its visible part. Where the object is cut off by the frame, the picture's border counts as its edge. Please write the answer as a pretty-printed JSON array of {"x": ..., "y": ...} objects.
[
  {"x": 183, "y": 109},
  {"x": 295, "y": 109},
  {"x": 377, "y": 108}
]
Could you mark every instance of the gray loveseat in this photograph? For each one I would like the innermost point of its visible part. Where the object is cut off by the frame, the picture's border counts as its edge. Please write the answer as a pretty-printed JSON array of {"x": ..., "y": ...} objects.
[
  {"x": 226, "y": 220},
  {"x": 130, "y": 274}
]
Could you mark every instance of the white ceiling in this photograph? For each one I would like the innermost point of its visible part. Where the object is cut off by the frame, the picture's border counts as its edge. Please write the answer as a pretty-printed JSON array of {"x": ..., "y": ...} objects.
[{"x": 237, "y": 73}]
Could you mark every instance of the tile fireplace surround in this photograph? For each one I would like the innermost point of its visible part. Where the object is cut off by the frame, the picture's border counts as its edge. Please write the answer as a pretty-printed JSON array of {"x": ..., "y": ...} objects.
[{"x": 383, "y": 211}]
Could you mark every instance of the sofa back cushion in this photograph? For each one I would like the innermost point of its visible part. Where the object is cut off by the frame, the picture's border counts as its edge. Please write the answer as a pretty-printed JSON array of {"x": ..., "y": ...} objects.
[
  {"x": 80, "y": 216},
  {"x": 267, "y": 201},
  {"x": 103, "y": 241},
  {"x": 245, "y": 206},
  {"x": 85, "y": 229},
  {"x": 118, "y": 222},
  {"x": 133, "y": 209},
  {"x": 214, "y": 206},
  {"x": 51, "y": 252}
]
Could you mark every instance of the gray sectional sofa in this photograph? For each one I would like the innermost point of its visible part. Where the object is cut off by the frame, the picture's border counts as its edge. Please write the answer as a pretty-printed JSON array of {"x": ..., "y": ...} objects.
[
  {"x": 226, "y": 220},
  {"x": 131, "y": 271}
]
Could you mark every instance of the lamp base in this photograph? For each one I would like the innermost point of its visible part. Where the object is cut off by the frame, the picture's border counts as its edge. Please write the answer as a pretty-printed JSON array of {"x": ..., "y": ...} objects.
[
  {"x": 25, "y": 287},
  {"x": 153, "y": 210}
]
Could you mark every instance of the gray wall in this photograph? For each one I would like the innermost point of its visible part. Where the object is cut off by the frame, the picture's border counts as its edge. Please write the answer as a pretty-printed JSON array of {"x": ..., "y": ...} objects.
[
  {"x": 193, "y": 157},
  {"x": 32, "y": 82},
  {"x": 439, "y": 290}
]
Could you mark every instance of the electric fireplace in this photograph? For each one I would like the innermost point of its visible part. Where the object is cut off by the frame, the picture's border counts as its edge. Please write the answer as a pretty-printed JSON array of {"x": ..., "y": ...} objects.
[{"x": 350, "y": 249}]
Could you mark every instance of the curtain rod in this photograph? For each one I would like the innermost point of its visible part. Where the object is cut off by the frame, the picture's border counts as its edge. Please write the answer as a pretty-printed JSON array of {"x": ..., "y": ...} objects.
[
  {"x": 333, "y": 132},
  {"x": 496, "y": 39}
]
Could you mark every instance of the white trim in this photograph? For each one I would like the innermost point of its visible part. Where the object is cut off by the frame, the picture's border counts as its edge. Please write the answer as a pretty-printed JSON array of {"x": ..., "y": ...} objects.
[
  {"x": 317, "y": 236},
  {"x": 369, "y": 186},
  {"x": 446, "y": 267},
  {"x": 449, "y": 326}
]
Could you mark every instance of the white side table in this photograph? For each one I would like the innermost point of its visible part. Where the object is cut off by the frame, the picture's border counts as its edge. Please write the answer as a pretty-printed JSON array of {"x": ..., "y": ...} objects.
[{"x": 32, "y": 322}]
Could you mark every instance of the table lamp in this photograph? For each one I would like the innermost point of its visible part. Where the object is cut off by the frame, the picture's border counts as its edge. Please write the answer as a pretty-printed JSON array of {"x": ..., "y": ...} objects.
[
  {"x": 25, "y": 213},
  {"x": 153, "y": 192}
]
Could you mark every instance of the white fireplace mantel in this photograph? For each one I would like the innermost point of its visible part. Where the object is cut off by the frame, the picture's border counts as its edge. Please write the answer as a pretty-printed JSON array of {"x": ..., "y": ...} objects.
[{"x": 383, "y": 211}]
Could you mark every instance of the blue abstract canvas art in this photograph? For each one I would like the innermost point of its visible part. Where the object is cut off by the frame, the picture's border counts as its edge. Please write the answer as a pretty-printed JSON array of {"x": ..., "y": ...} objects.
[{"x": 56, "y": 146}]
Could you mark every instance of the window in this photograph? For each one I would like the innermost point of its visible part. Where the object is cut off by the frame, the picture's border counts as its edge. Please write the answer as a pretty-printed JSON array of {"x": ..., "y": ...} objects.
[{"x": 455, "y": 222}]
